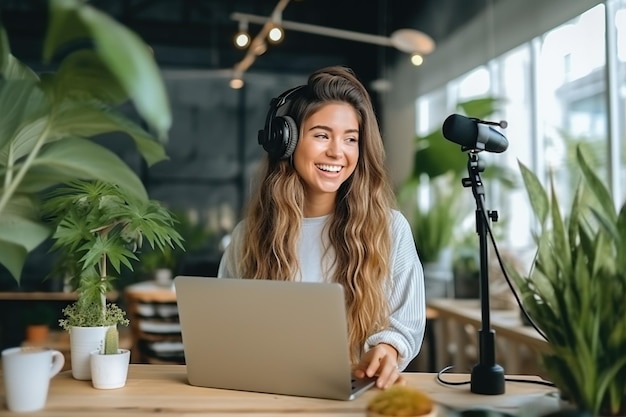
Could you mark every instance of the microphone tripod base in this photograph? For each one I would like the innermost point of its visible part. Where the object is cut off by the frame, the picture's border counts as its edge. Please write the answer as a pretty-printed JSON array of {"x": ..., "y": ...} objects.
[{"x": 487, "y": 379}]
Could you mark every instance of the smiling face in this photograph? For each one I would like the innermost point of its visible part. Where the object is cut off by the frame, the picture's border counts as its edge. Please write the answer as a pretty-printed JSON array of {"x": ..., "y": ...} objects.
[{"x": 326, "y": 155}]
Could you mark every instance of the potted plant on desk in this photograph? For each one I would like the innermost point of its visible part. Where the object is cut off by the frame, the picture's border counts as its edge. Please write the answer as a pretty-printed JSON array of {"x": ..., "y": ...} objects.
[
  {"x": 109, "y": 364},
  {"x": 99, "y": 227},
  {"x": 576, "y": 289}
]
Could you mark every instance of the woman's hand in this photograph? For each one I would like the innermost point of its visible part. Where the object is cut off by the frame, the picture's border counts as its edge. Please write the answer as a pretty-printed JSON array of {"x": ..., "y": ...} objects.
[{"x": 380, "y": 361}]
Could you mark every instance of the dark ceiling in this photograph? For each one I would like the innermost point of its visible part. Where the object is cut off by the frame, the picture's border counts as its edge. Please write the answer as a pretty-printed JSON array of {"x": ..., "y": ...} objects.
[{"x": 199, "y": 33}]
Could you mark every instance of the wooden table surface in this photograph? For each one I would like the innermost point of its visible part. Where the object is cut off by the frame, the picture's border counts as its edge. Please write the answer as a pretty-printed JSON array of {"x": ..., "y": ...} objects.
[{"x": 164, "y": 390}]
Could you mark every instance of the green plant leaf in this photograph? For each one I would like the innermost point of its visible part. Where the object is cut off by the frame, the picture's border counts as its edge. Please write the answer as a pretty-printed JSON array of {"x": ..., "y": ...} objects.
[
  {"x": 480, "y": 108},
  {"x": 597, "y": 187},
  {"x": 21, "y": 102},
  {"x": 19, "y": 224},
  {"x": 83, "y": 77},
  {"x": 436, "y": 156},
  {"x": 64, "y": 27},
  {"x": 88, "y": 120},
  {"x": 80, "y": 158},
  {"x": 536, "y": 193},
  {"x": 13, "y": 257},
  {"x": 133, "y": 64}
]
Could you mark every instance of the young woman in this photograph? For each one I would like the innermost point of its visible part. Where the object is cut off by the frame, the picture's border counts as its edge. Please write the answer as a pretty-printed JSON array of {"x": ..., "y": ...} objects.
[{"x": 324, "y": 211}]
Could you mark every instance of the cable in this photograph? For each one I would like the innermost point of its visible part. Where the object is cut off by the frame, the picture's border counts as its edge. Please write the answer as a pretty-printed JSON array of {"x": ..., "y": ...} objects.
[
  {"x": 506, "y": 275},
  {"x": 457, "y": 383}
]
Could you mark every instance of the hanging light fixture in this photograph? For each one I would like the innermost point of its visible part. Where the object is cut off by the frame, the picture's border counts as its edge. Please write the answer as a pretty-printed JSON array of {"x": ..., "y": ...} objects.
[
  {"x": 242, "y": 37},
  {"x": 276, "y": 33}
]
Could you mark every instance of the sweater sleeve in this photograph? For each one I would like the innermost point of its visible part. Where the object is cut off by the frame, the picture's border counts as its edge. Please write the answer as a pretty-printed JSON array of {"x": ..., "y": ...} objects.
[
  {"x": 228, "y": 266},
  {"x": 407, "y": 303}
]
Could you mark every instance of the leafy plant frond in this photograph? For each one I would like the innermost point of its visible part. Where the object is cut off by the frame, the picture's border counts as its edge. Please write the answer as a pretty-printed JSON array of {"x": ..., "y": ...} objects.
[{"x": 575, "y": 292}]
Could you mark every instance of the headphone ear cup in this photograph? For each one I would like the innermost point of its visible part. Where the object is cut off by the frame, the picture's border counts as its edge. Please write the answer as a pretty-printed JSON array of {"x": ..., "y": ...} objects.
[{"x": 291, "y": 139}]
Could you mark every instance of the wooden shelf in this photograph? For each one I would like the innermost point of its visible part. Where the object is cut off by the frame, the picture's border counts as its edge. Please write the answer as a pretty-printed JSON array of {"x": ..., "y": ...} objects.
[
  {"x": 45, "y": 296},
  {"x": 150, "y": 305}
]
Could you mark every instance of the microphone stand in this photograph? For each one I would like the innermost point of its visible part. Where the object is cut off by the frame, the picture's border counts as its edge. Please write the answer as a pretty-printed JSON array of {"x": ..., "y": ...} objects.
[{"x": 487, "y": 376}]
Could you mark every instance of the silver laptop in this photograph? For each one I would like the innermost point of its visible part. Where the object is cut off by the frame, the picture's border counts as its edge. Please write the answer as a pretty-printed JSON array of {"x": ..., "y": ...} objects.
[{"x": 276, "y": 337}]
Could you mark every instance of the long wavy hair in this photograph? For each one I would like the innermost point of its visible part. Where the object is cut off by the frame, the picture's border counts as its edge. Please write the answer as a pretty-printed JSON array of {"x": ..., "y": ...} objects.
[{"x": 356, "y": 231}]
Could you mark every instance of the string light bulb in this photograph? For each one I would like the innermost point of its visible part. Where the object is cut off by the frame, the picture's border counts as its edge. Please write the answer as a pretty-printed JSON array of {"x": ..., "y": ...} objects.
[
  {"x": 276, "y": 34},
  {"x": 417, "y": 59},
  {"x": 242, "y": 38}
]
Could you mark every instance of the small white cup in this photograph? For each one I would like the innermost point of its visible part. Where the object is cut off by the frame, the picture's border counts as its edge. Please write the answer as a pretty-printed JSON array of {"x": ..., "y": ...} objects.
[{"x": 27, "y": 373}]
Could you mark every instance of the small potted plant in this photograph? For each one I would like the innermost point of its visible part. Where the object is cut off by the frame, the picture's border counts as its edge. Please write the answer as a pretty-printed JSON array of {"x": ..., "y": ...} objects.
[
  {"x": 109, "y": 364},
  {"x": 98, "y": 227},
  {"x": 38, "y": 318}
]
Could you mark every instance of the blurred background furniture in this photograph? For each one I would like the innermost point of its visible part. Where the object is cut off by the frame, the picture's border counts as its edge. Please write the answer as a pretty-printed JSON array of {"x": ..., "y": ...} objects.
[
  {"x": 154, "y": 325},
  {"x": 518, "y": 346}
]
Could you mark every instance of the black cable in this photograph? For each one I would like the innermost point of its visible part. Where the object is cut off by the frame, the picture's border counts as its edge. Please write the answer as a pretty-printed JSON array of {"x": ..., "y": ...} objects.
[
  {"x": 505, "y": 274},
  {"x": 456, "y": 383}
]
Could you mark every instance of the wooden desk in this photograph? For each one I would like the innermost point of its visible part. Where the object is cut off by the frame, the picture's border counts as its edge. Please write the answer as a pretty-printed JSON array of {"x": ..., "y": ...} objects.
[
  {"x": 457, "y": 329},
  {"x": 164, "y": 389}
]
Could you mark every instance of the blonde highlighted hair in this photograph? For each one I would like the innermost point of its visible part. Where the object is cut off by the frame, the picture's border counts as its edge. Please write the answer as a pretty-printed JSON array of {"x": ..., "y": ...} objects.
[{"x": 358, "y": 230}]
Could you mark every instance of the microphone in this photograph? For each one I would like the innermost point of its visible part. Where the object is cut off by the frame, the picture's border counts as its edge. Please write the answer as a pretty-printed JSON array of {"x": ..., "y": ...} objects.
[{"x": 472, "y": 133}]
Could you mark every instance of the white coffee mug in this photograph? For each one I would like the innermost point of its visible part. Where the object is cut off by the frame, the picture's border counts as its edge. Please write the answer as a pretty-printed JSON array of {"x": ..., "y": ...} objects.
[{"x": 27, "y": 373}]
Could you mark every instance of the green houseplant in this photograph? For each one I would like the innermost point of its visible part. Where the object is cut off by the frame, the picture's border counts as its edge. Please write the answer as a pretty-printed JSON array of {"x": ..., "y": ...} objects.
[
  {"x": 92, "y": 65},
  {"x": 98, "y": 227},
  {"x": 576, "y": 289}
]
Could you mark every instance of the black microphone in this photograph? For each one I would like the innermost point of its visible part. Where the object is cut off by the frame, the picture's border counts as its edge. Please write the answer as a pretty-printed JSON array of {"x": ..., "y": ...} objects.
[{"x": 473, "y": 134}]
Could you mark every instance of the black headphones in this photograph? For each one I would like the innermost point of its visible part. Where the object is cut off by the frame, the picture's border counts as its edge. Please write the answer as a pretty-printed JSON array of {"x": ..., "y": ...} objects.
[{"x": 280, "y": 136}]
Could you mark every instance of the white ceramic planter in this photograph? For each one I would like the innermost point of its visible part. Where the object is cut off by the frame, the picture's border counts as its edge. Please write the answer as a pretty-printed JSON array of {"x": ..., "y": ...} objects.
[
  {"x": 83, "y": 341},
  {"x": 109, "y": 371}
]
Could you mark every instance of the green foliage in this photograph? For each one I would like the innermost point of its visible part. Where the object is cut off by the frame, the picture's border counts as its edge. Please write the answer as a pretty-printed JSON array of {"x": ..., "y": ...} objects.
[
  {"x": 442, "y": 164},
  {"x": 49, "y": 119},
  {"x": 97, "y": 226},
  {"x": 576, "y": 289},
  {"x": 433, "y": 227},
  {"x": 111, "y": 341},
  {"x": 84, "y": 313},
  {"x": 196, "y": 236}
]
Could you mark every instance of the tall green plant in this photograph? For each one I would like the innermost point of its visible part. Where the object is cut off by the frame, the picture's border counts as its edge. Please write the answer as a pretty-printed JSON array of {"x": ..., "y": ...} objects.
[
  {"x": 99, "y": 226},
  {"x": 48, "y": 119},
  {"x": 576, "y": 289}
]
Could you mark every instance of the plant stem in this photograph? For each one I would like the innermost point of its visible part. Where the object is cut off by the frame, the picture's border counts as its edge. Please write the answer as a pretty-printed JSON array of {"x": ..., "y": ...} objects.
[
  {"x": 103, "y": 296},
  {"x": 10, "y": 189}
]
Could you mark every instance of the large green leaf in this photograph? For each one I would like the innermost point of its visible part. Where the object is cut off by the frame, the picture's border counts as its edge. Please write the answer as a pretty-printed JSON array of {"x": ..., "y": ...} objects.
[
  {"x": 437, "y": 156},
  {"x": 121, "y": 50},
  {"x": 88, "y": 120},
  {"x": 80, "y": 158},
  {"x": 10, "y": 67},
  {"x": 129, "y": 58},
  {"x": 13, "y": 257},
  {"x": 64, "y": 27},
  {"x": 536, "y": 193},
  {"x": 83, "y": 77},
  {"x": 20, "y": 232},
  {"x": 480, "y": 108},
  {"x": 19, "y": 224},
  {"x": 597, "y": 187},
  {"x": 21, "y": 102}
]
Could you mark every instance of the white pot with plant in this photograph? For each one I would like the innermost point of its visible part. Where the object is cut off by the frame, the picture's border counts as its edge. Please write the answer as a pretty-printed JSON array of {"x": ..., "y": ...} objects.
[
  {"x": 109, "y": 364},
  {"x": 99, "y": 227}
]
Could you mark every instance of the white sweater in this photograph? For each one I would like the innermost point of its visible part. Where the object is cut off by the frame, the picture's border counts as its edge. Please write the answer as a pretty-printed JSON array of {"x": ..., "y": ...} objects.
[{"x": 406, "y": 291}]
